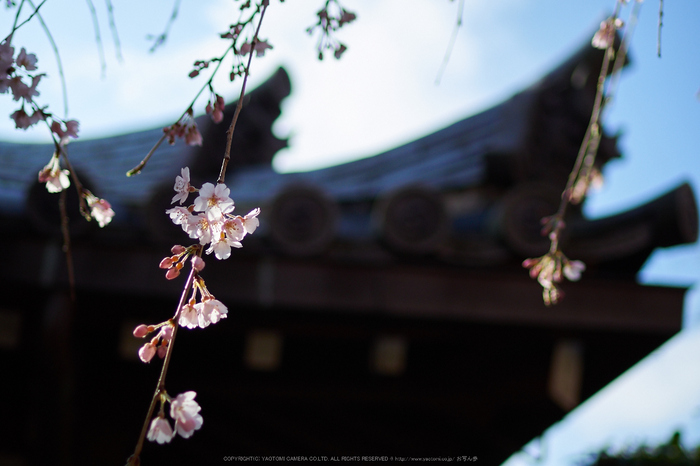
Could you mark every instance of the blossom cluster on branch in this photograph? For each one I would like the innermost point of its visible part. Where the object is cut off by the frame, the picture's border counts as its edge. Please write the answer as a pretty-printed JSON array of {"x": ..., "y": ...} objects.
[
  {"x": 553, "y": 266},
  {"x": 331, "y": 18},
  {"x": 183, "y": 410},
  {"x": 210, "y": 219}
]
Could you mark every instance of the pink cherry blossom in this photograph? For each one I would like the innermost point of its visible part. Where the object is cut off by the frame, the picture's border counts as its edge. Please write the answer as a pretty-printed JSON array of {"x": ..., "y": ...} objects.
[
  {"x": 260, "y": 47},
  {"x": 192, "y": 136},
  {"x": 214, "y": 201},
  {"x": 216, "y": 309},
  {"x": 179, "y": 216},
  {"x": 100, "y": 209},
  {"x": 21, "y": 90},
  {"x": 199, "y": 227},
  {"x": 56, "y": 179},
  {"x": 160, "y": 430},
  {"x": 26, "y": 60},
  {"x": 188, "y": 316},
  {"x": 203, "y": 315},
  {"x": 70, "y": 131},
  {"x": 24, "y": 121},
  {"x": 550, "y": 269},
  {"x": 250, "y": 221},
  {"x": 185, "y": 411},
  {"x": 210, "y": 311},
  {"x": 7, "y": 53},
  {"x": 166, "y": 332},
  {"x": 182, "y": 186},
  {"x": 228, "y": 235},
  {"x": 605, "y": 36},
  {"x": 234, "y": 229},
  {"x": 72, "y": 127},
  {"x": 573, "y": 269}
]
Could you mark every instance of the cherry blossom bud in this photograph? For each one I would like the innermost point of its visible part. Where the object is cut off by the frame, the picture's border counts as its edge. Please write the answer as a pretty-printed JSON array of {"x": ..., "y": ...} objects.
[
  {"x": 172, "y": 273},
  {"x": 217, "y": 116},
  {"x": 166, "y": 263},
  {"x": 339, "y": 51},
  {"x": 177, "y": 249},
  {"x": 162, "y": 349},
  {"x": 198, "y": 263},
  {"x": 193, "y": 136},
  {"x": 147, "y": 352},
  {"x": 141, "y": 331}
]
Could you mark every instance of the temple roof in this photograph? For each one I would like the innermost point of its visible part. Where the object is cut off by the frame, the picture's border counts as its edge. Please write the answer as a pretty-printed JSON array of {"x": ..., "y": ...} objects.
[{"x": 472, "y": 193}]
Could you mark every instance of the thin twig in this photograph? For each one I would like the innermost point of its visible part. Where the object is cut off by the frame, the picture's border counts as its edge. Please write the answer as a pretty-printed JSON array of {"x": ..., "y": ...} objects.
[
  {"x": 115, "y": 33},
  {"x": 239, "y": 106},
  {"x": 160, "y": 40},
  {"x": 593, "y": 126},
  {"x": 14, "y": 23},
  {"x": 58, "y": 58},
  {"x": 137, "y": 169},
  {"x": 16, "y": 26},
  {"x": 98, "y": 37},
  {"x": 84, "y": 210},
  {"x": 65, "y": 230},
  {"x": 661, "y": 23},
  {"x": 621, "y": 55},
  {"x": 451, "y": 45}
]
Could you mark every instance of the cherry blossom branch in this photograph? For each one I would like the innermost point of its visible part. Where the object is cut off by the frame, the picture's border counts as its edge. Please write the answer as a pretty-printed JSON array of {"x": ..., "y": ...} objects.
[
  {"x": 329, "y": 21},
  {"x": 138, "y": 168},
  {"x": 550, "y": 268},
  {"x": 160, "y": 387},
  {"x": 190, "y": 132},
  {"x": 239, "y": 106}
]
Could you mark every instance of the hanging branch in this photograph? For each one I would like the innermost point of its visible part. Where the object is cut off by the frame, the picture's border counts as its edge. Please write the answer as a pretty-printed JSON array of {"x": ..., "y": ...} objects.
[
  {"x": 98, "y": 37},
  {"x": 54, "y": 47},
  {"x": 553, "y": 266},
  {"x": 160, "y": 39},
  {"x": 661, "y": 23},
  {"x": 453, "y": 39},
  {"x": 137, "y": 169},
  {"x": 113, "y": 28},
  {"x": 239, "y": 106}
]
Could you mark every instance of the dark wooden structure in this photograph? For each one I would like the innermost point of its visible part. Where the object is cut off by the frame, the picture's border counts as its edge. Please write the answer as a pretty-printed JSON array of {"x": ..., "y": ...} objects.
[{"x": 380, "y": 309}]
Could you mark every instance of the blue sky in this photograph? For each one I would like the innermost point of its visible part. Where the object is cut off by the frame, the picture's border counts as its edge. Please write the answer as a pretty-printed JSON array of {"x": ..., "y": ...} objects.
[{"x": 383, "y": 93}]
